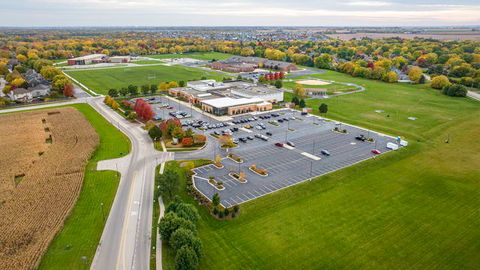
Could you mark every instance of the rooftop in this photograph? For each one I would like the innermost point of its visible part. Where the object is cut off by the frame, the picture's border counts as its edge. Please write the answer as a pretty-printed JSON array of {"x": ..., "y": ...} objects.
[{"x": 229, "y": 102}]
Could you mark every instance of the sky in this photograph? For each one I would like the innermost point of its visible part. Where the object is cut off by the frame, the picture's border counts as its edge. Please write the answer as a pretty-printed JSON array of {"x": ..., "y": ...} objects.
[{"x": 41, "y": 13}]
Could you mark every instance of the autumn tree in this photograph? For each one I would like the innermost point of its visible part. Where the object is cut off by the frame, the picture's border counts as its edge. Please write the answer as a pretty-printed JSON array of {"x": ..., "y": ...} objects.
[
  {"x": 439, "y": 82},
  {"x": 415, "y": 74},
  {"x": 299, "y": 91},
  {"x": 68, "y": 90}
]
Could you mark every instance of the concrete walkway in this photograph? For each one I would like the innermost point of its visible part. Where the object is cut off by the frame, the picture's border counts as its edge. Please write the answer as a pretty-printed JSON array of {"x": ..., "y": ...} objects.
[{"x": 473, "y": 95}]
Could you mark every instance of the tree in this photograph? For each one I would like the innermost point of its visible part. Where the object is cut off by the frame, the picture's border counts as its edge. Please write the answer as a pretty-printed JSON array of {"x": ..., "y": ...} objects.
[
  {"x": 187, "y": 211},
  {"x": 218, "y": 160},
  {"x": 299, "y": 91},
  {"x": 19, "y": 82},
  {"x": 155, "y": 133},
  {"x": 49, "y": 72},
  {"x": 113, "y": 92},
  {"x": 170, "y": 222},
  {"x": 302, "y": 103},
  {"x": 455, "y": 90},
  {"x": 153, "y": 89},
  {"x": 390, "y": 77},
  {"x": 132, "y": 90},
  {"x": 168, "y": 183},
  {"x": 439, "y": 82},
  {"x": 184, "y": 237},
  {"x": 181, "y": 83},
  {"x": 68, "y": 90},
  {"x": 323, "y": 108},
  {"x": 145, "y": 89},
  {"x": 323, "y": 61},
  {"x": 216, "y": 200},
  {"x": 186, "y": 259},
  {"x": 295, "y": 100},
  {"x": 415, "y": 74},
  {"x": 278, "y": 84},
  {"x": 123, "y": 91}
]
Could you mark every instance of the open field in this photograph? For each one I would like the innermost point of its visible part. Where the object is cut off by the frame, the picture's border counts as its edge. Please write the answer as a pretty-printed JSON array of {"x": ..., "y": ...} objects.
[
  {"x": 196, "y": 55},
  {"x": 103, "y": 79},
  {"x": 87, "y": 217},
  {"x": 43, "y": 156},
  {"x": 417, "y": 208}
]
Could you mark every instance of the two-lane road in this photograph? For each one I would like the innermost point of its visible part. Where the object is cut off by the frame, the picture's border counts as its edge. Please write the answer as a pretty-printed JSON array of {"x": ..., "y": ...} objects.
[{"x": 125, "y": 242}]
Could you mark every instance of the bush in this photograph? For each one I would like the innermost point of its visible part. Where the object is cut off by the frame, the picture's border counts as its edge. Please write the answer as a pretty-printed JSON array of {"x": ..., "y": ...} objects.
[
  {"x": 236, "y": 208},
  {"x": 215, "y": 211},
  {"x": 227, "y": 212},
  {"x": 221, "y": 214},
  {"x": 439, "y": 82},
  {"x": 155, "y": 133},
  {"x": 186, "y": 259},
  {"x": 171, "y": 223},
  {"x": 184, "y": 237},
  {"x": 455, "y": 90},
  {"x": 187, "y": 141}
]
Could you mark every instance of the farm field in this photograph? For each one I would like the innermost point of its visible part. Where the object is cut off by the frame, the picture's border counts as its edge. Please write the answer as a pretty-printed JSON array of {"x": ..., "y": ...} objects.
[
  {"x": 102, "y": 80},
  {"x": 43, "y": 157},
  {"x": 86, "y": 218},
  {"x": 415, "y": 208},
  {"x": 195, "y": 55}
]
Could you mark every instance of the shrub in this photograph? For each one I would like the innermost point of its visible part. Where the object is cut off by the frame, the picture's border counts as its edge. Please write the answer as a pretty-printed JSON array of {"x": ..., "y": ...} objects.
[
  {"x": 455, "y": 90},
  {"x": 186, "y": 259},
  {"x": 199, "y": 138},
  {"x": 227, "y": 212},
  {"x": 221, "y": 214},
  {"x": 215, "y": 211},
  {"x": 439, "y": 82},
  {"x": 187, "y": 141},
  {"x": 236, "y": 208}
]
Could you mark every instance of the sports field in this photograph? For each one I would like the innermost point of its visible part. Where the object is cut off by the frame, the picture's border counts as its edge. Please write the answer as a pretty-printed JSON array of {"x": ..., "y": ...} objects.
[
  {"x": 102, "y": 79},
  {"x": 413, "y": 209}
]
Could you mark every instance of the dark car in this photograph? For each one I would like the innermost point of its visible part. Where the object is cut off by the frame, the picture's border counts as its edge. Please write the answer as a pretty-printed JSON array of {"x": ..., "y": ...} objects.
[
  {"x": 361, "y": 138},
  {"x": 242, "y": 140},
  {"x": 280, "y": 120},
  {"x": 269, "y": 134},
  {"x": 304, "y": 113},
  {"x": 279, "y": 144},
  {"x": 250, "y": 137},
  {"x": 325, "y": 152}
]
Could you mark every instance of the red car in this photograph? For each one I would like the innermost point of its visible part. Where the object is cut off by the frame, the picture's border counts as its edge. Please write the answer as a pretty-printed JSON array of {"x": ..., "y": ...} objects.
[
  {"x": 279, "y": 144},
  {"x": 376, "y": 152}
]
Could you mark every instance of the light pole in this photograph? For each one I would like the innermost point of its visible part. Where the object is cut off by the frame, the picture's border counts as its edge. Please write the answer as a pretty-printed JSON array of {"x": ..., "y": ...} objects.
[
  {"x": 103, "y": 214},
  {"x": 311, "y": 166}
]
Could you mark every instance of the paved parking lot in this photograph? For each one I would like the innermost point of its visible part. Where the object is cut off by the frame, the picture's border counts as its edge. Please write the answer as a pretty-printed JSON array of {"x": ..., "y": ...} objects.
[{"x": 286, "y": 166}]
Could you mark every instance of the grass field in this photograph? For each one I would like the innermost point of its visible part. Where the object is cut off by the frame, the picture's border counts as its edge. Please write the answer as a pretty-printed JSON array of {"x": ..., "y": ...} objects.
[
  {"x": 103, "y": 79},
  {"x": 331, "y": 89},
  {"x": 84, "y": 226},
  {"x": 412, "y": 209},
  {"x": 196, "y": 55}
]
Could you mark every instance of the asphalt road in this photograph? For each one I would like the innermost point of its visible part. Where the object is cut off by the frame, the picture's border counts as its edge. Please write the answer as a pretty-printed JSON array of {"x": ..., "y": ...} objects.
[{"x": 125, "y": 242}]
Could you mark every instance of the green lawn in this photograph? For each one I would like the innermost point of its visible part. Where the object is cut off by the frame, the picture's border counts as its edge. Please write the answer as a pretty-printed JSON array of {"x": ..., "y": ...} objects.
[
  {"x": 83, "y": 228},
  {"x": 331, "y": 89},
  {"x": 195, "y": 55},
  {"x": 103, "y": 79},
  {"x": 416, "y": 208}
]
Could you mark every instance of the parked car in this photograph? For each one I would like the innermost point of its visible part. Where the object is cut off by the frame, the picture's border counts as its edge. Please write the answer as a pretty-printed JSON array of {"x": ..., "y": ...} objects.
[
  {"x": 248, "y": 126},
  {"x": 361, "y": 137},
  {"x": 280, "y": 120},
  {"x": 304, "y": 113},
  {"x": 291, "y": 144},
  {"x": 250, "y": 137},
  {"x": 279, "y": 144},
  {"x": 269, "y": 134},
  {"x": 325, "y": 152},
  {"x": 376, "y": 152},
  {"x": 242, "y": 140}
]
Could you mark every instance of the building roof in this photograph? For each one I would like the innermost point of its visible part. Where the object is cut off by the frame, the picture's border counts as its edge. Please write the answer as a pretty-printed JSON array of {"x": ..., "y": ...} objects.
[
  {"x": 89, "y": 57},
  {"x": 230, "y": 102},
  {"x": 19, "y": 91}
]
